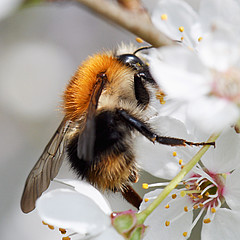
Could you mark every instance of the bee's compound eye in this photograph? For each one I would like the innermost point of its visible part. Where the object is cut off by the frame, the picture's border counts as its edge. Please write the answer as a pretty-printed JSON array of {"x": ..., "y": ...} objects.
[{"x": 131, "y": 60}]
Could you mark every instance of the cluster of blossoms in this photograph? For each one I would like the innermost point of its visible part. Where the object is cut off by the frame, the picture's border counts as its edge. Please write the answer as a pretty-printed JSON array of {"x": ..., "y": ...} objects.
[
  {"x": 200, "y": 78},
  {"x": 201, "y": 81},
  {"x": 202, "y": 74}
]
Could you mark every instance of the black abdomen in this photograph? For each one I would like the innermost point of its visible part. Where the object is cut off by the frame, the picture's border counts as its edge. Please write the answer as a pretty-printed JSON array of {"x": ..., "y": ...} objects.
[{"x": 113, "y": 159}]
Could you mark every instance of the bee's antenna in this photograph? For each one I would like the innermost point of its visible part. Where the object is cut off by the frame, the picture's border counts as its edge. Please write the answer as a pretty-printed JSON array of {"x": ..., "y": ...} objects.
[{"x": 142, "y": 48}]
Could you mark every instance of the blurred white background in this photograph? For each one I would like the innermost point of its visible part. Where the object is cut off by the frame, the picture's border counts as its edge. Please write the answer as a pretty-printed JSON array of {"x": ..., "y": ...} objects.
[{"x": 40, "y": 49}]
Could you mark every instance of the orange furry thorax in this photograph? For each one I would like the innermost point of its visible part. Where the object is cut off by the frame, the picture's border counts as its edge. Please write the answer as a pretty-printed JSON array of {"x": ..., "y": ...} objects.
[{"x": 78, "y": 92}]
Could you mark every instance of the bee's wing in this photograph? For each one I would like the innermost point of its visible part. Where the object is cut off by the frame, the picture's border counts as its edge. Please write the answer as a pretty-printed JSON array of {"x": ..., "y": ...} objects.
[
  {"x": 45, "y": 169},
  {"x": 86, "y": 139}
]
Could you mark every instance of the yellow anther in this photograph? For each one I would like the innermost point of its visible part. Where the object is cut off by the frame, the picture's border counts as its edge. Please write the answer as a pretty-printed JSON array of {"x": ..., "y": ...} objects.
[
  {"x": 167, "y": 206},
  {"x": 62, "y": 230},
  {"x": 206, "y": 194},
  {"x": 167, "y": 223},
  {"x": 164, "y": 17},
  {"x": 195, "y": 206},
  {"x": 181, "y": 29},
  {"x": 213, "y": 210},
  {"x": 146, "y": 199},
  {"x": 51, "y": 227},
  {"x": 145, "y": 186},
  {"x": 182, "y": 38},
  {"x": 201, "y": 205},
  {"x": 187, "y": 186},
  {"x": 190, "y": 195},
  {"x": 174, "y": 196},
  {"x": 162, "y": 101},
  {"x": 44, "y": 223},
  {"x": 139, "y": 40},
  {"x": 182, "y": 166},
  {"x": 200, "y": 196},
  {"x": 160, "y": 96},
  {"x": 198, "y": 188},
  {"x": 66, "y": 238},
  {"x": 186, "y": 209},
  {"x": 180, "y": 161},
  {"x": 200, "y": 39},
  {"x": 207, "y": 220},
  {"x": 184, "y": 234},
  {"x": 174, "y": 154}
]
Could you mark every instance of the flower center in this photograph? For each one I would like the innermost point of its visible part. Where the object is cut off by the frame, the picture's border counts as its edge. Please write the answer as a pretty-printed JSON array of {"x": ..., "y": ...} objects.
[
  {"x": 205, "y": 190},
  {"x": 227, "y": 85}
]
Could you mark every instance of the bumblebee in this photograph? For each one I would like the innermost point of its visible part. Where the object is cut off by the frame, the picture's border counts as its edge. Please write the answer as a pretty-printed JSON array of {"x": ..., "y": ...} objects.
[{"x": 106, "y": 103}]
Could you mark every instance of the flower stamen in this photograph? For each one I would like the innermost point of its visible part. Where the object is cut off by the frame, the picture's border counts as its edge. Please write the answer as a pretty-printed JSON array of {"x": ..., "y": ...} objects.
[
  {"x": 181, "y": 29},
  {"x": 160, "y": 95},
  {"x": 62, "y": 230},
  {"x": 174, "y": 196},
  {"x": 167, "y": 223},
  {"x": 164, "y": 17},
  {"x": 66, "y": 238},
  {"x": 162, "y": 184},
  {"x": 213, "y": 210},
  {"x": 207, "y": 220},
  {"x": 195, "y": 220}
]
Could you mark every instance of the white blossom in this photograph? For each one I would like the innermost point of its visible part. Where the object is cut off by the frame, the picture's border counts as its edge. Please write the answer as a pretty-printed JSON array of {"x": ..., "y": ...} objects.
[
  {"x": 8, "y": 6},
  {"x": 210, "y": 190},
  {"x": 206, "y": 84},
  {"x": 178, "y": 20},
  {"x": 82, "y": 210}
]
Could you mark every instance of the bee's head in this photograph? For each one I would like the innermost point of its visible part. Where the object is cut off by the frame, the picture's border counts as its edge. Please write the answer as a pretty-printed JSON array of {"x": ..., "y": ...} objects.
[{"x": 131, "y": 60}]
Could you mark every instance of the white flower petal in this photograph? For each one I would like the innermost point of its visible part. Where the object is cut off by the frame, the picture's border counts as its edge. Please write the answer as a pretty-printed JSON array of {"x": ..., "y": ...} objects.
[
  {"x": 109, "y": 234},
  {"x": 157, "y": 158},
  {"x": 71, "y": 210},
  {"x": 8, "y": 6},
  {"x": 225, "y": 157},
  {"x": 212, "y": 114},
  {"x": 160, "y": 215},
  {"x": 232, "y": 190},
  {"x": 172, "y": 108},
  {"x": 185, "y": 17},
  {"x": 91, "y": 192},
  {"x": 218, "y": 12},
  {"x": 179, "y": 73},
  {"x": 225, "y": 226},
  {"x": 219, "y": 50}
]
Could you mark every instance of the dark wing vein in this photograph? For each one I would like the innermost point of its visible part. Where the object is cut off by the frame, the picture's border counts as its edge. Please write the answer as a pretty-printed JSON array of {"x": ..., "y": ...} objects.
[{"x": 46, "y": 168}]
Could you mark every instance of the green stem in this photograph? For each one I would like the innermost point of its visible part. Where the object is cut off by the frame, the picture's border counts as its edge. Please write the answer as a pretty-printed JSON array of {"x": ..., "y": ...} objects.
[{"x": 146, "y": 212}]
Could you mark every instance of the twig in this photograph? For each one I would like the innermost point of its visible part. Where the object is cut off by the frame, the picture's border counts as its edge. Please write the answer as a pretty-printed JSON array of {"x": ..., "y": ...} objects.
[
  {"x": 133, "y": 5},
  {"x": 138, "y": 24}
]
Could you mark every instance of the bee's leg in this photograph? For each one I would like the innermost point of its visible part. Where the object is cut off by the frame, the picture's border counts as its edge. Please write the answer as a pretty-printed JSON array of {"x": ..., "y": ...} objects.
[
  {"x": 153, "y": 137},
  {"x": 131, "y": 196}
]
